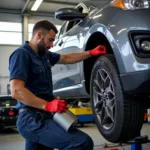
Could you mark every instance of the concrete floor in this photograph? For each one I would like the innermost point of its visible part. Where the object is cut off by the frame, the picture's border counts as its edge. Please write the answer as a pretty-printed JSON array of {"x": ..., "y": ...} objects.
[{"x": 11, "y": 140}]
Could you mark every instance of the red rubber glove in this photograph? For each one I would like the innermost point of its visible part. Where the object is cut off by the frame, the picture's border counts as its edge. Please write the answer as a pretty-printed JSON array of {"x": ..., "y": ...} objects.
[
  {"x": 56, "y": 105},
  {"x": 99, "y": 50}
]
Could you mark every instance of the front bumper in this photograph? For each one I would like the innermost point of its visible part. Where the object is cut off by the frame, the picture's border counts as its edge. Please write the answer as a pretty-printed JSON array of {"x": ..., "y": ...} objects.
[
  {"x": 136, "y": 21},
  {"x": 136, "y": 82}
]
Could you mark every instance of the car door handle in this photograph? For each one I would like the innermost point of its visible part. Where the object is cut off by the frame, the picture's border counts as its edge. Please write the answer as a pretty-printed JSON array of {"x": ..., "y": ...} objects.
[{"x": 61, "y": 42}]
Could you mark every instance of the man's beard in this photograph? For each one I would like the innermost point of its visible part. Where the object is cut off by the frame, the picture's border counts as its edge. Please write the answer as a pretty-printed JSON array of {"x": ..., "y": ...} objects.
[{"x": 41, "y": 48}]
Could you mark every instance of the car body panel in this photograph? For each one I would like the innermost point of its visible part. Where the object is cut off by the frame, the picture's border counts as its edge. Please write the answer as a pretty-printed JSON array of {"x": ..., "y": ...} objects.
[
  {"x": 115, "y": 24},
  {"x": 75, "y": 40},
  {"x": 69, "y": 75},
  {"x": 120, "y": 30}
]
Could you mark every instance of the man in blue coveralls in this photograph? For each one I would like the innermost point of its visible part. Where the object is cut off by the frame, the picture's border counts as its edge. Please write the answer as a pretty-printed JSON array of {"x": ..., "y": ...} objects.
[{"x": 31, "y": 84}]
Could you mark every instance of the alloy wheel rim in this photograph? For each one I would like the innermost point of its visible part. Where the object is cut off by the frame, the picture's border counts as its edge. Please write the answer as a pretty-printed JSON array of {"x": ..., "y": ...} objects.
[{"x": 104, "y": 98}]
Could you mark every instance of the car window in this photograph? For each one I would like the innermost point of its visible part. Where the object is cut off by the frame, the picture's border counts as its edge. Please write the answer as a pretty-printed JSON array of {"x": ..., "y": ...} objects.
[
  {"x": 82, "y": 9},
  {"x": 7, "y": 103},
  {"x": 62, "y": 30},
  {"x": 71, "y": 24}
]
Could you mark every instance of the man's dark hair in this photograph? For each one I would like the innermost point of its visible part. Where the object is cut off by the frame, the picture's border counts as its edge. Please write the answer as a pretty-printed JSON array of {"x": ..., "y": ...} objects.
[{"x": 44, "y": 25}]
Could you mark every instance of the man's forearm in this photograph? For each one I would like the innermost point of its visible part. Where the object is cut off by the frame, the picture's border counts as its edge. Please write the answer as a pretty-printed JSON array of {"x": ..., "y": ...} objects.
[
  {"x": 28, "y": 98},
  {"x": 76, "y": 57}
]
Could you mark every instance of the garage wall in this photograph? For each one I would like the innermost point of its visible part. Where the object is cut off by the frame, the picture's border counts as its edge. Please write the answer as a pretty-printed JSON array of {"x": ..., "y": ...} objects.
[
  {"x": 31, "y": 19},
  {"x": 6, "y": 50},
  {"x": 10, "y": 17},
  {"x": 34, "y": 19}
]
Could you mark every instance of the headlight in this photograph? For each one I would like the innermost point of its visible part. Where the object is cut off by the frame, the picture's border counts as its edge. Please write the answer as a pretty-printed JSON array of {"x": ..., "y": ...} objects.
[{"x": 131, "y": 4}]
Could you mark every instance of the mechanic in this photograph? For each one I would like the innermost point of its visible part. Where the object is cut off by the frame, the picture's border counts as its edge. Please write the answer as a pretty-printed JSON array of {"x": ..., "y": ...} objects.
[{"x": 31, "y": 84}]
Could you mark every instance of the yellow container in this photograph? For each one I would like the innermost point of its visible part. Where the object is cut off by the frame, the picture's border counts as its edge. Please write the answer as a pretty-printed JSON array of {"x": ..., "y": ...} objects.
[{"x": 81, "y": 110}]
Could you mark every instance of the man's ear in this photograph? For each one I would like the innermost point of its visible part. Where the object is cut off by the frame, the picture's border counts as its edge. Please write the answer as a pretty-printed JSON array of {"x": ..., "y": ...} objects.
[{"x": 39, "y": 35}]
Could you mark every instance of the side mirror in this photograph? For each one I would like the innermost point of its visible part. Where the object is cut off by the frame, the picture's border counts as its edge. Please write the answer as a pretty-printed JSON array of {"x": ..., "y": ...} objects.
[{"x": 69, "y": 14}]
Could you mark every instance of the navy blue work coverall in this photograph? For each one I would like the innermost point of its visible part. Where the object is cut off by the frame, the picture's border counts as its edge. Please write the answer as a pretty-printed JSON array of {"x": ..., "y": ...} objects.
[{"x": 35, "y": 125}]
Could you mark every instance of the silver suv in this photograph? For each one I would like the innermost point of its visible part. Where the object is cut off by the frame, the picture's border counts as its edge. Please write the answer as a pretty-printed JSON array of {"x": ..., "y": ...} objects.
[{"x": 118, "y": 84}]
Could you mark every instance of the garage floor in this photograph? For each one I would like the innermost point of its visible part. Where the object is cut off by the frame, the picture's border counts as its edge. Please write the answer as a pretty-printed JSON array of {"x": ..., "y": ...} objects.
[{"x": 11, "y": 140}]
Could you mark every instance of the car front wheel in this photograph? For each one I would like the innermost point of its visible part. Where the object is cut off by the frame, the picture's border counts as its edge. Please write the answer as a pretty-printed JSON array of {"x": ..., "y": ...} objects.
[{"x": 118, "y": 116}]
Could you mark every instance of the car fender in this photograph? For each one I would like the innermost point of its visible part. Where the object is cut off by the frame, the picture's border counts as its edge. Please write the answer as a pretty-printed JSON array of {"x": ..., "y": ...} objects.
[{"x": 105, "y": 31}]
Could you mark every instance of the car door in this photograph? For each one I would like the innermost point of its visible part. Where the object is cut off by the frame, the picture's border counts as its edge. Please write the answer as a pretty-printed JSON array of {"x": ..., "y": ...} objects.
[
  {"x": 57, "y": 48},
  {"x": 69, "y": 75}
]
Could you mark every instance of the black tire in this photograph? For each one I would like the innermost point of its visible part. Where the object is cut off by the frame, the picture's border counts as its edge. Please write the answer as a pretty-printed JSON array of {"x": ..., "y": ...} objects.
[{"x": 118, "y": 116}]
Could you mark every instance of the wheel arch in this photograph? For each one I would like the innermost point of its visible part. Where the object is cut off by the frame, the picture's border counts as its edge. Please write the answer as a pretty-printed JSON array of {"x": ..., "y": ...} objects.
[{"x": 88, "y": 64}]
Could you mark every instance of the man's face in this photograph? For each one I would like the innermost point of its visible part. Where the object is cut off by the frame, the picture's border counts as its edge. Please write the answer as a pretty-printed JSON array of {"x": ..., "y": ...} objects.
[{"x": 46, "y": 42}]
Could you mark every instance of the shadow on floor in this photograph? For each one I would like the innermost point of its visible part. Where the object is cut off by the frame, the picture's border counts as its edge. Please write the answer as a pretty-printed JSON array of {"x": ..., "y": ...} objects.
[{"x": 9, "y": 131}]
